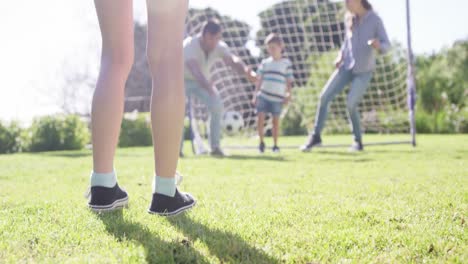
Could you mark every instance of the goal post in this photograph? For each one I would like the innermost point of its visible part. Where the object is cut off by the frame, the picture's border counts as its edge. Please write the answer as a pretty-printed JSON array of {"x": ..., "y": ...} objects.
[{"x": 313, "y": 32}]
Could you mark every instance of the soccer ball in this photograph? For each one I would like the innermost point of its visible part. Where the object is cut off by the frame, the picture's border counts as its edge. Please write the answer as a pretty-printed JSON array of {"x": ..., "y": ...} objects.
[{"x": 233, "y": 122}]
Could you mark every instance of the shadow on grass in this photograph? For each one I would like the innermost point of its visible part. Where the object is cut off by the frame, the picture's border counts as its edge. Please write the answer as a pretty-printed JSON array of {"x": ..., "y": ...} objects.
[
  {"x": 77, "y": 154},
  {"x": 239, "y": 157},
  {"x": 228, "y": 247},
  {"x": 256, "y": 157},
  {"x": 346, "y": 160},
  {"x": 396, "y": 151},
  {"x": 339, "y": 153},
  {"x": 157, "y": 250},
  {"x": 68, "y": 154},
  {"x": 367, "y": 151}
]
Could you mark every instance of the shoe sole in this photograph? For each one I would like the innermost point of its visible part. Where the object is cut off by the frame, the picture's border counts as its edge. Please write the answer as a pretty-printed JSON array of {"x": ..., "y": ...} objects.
[
  {"x": 176, "y": 212},
  {"x": 117, "y": 204},
  {"x": 351, "y": 150}
]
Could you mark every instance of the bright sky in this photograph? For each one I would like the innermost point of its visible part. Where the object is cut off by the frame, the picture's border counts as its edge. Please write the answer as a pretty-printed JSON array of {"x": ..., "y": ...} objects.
[{"x": 40, "y": 44}]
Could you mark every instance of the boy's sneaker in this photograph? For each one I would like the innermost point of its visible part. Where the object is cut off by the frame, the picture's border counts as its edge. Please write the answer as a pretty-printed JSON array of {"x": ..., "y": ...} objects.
[
  {"x": 356, "y": 147},
  {"x": 312, "y": 143},
  {"x": 103, "y": 199},
  {"x": 261, "y": 147},
  {"x": 169, "y": 206},
  {"x": 276, "y": 149}
]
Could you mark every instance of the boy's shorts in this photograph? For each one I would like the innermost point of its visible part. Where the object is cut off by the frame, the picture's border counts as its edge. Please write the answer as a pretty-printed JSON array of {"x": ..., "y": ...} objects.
[{"x": 267, "y": 106}]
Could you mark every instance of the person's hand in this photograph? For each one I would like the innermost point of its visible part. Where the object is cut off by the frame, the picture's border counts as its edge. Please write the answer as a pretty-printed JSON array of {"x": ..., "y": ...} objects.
[
  {"x": 254, "y": 100},
  {"x": 374, "y": 43},
  {"x": 287, "y": 99},
  {"x": 338, "y": 62},
  {"x": 212, "y": 91},
  {"x": 251, "y": 75}
]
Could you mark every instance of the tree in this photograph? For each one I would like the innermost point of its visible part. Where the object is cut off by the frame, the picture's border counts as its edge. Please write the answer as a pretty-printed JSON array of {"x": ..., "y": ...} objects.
[{"x": 442, "y": 78}]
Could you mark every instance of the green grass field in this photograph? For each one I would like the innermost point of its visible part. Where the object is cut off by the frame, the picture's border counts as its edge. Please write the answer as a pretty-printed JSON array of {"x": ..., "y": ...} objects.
[{"x": 390, "y": 204}]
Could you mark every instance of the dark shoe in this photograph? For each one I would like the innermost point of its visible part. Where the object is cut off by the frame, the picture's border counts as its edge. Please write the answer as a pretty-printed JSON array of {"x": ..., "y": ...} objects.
[
  {"x": 275, "y": 149},
  {"x": 169, "y": 206},
  {"x": 217, "y": 152},
  {"x": 314, "y": 141},
  {"x": 103, "y": 199},
  {"x": 261, "y": 147},
  {"x": 356, "y": 147}
]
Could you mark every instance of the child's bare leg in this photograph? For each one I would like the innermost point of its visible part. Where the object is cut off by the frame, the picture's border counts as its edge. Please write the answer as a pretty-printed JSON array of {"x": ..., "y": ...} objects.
[
  {"x": 260, "y": 125},
  {"x": 275, "y": 130},
  {"x": 166, "y": 22},
  {"x": 116, "y": 23}
]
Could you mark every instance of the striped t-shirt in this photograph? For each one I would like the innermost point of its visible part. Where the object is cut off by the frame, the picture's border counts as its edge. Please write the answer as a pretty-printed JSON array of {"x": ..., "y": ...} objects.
[{"x": 275, "y": 76}]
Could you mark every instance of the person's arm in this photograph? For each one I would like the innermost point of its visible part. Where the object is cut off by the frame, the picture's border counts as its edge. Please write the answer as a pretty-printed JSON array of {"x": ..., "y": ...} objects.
[
  {"x": 339, "y": 58},
  {"x": 381, "y": 42},
  {"x": 344, "y": 45},
  {"x": 289, "y": 86},
  {"x": 289, "y": 83},
  {"x": 194, "y": 68},
  {"x": 239, "y": 66}
]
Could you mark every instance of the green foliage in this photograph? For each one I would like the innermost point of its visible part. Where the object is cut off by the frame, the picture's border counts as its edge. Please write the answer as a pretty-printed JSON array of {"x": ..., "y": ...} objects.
[
  {"x": 442, "y": 78},
  {"x": 389, "y": 204},
  {"x": 395, "y": 121},
  {"x": 136, "y": 131},
  {"x": 449, "y": 120},
  {"x": 58, "y": 133},
  {"x": 75, "y": 133},
  {"x": 456, "y": 119},
  {"x": 463, "y": 127},
  {"x": 423, "y": 122},
  {"x": 292, "y": 123},
  {"x": 10, "y": 138}
]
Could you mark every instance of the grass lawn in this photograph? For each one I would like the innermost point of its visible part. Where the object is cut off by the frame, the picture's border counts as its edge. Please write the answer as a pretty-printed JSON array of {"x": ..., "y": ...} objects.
[{"x": 389, "y": 204}]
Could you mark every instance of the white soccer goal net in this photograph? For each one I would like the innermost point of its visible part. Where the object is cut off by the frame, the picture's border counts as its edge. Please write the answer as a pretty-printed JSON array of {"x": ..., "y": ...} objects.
[{"x": 313, "y": 32}]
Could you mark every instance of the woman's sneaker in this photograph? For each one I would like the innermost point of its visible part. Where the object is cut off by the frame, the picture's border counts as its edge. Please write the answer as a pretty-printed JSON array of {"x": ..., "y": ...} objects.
[
  {"x": 217, "y": 152},
  {"x": 356, "y": 147},
  {"x": 312, "y": 143},
  {"x": 103, "y": 199},
  {"x": 169, "y": 206}
]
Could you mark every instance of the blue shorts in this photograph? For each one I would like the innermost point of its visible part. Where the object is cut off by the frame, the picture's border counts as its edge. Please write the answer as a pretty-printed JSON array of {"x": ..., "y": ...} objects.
[{"x": 267, "y": 106}]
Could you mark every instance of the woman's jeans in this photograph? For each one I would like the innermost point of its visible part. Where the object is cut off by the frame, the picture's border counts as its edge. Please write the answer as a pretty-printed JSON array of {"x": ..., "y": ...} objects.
[{"x": 337, "y": 82}]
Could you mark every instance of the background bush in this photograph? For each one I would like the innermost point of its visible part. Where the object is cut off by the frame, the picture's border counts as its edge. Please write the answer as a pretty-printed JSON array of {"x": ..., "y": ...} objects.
[
  {"x": 11, "y": 138},
  {"x": 136, "y": 131},
  {"x": 58, "y": 133}
]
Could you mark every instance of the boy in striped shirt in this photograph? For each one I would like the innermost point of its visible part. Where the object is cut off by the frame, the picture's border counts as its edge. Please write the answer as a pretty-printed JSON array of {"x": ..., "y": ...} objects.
[{"x": 273, "y": 87}]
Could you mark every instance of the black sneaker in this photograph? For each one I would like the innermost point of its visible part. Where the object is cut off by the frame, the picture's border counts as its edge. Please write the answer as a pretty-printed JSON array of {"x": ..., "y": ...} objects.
[
  {"x": 356, "y": 147},
  {"x": 103, "y": 199},
  {"x": 312, "y": 143},
  {"x": 276, "y": 149},
  {"x": 261, "y": 147},
  {"x": 217, "y": 152},
  {"x": 169, "y": 206}
]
